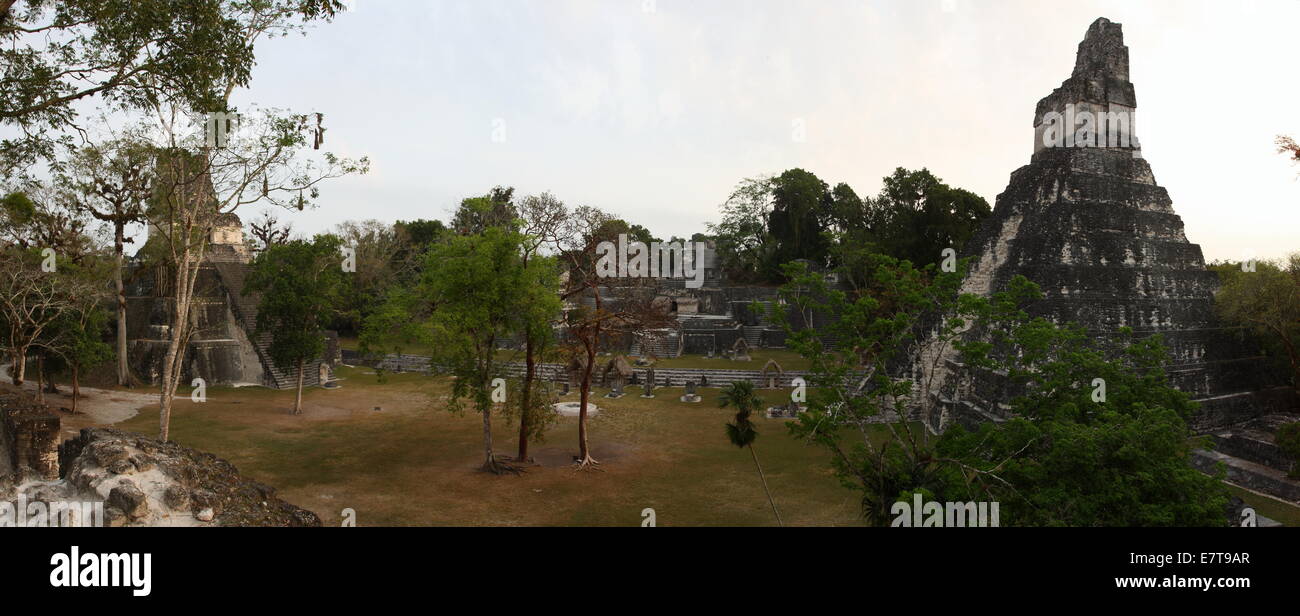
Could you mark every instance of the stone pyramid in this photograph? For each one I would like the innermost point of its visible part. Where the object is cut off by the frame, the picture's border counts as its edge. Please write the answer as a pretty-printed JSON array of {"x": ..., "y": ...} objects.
[{"x": 1087, "y": 222}]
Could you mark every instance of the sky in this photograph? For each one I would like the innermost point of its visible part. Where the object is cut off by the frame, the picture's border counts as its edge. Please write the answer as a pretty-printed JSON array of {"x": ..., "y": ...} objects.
[{"x": 655, "y": 109}]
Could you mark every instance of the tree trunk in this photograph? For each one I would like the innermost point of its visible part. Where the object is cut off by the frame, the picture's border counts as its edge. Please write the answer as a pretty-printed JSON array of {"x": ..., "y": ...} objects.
[
  {"x": 76, "y": 388},
  {"x": 530, "y": 372},
  {"x": 489, "y": 458},
  {"x": 19, "y": 371},
  {"x": 40, "y": 379},
  {"x": 174, "y": 361},
  {"x": 123, "y": 373},
  {"x": 584, "y": 455},
  {"x": 297, "y": 402},
  {"x": 765, "y": 490}
]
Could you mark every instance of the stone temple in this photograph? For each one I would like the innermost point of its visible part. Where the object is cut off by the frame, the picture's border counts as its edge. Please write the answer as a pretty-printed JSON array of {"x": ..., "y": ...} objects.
[
  {"x": 1087, "y": 222},
  {"x": 224, "y": 348}
]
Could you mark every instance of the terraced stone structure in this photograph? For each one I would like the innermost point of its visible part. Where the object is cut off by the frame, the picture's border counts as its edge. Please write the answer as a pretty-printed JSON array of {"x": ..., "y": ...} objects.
[
  {"x": 225, "y": 349},
  {"x": 1087, "y": 222}
]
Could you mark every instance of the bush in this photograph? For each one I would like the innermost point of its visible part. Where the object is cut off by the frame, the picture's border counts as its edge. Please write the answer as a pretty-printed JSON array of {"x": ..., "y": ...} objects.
[{"x": 1288, "y": 440}]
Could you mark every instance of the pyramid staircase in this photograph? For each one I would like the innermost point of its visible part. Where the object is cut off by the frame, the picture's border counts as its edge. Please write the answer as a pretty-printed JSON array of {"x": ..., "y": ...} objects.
[{"x": 233, "y": 277}]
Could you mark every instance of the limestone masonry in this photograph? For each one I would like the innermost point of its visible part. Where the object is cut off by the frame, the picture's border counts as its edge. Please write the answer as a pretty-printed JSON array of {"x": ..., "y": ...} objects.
[{"x": 1091, "y": 226}]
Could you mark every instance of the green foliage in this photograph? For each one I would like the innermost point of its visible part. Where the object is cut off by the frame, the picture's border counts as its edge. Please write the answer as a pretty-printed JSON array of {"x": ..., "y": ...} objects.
[
  {"x": 744, "y": 246},
  {"x": 801, "y": 208},
  {"x": 477, "y": 214},
  {"x": 1288, "y": 440},
  {"x": 915, "y": 217},
  {"x": 1267, "y": 302},
  {"x": 769, "y": 222},
  {"x": 1068, "y": 456},
  {"x": 131, "y": 54},
  {"x": 741, "y": 395},
  {"x": 299, "y": 282},
  {"x": 473, "y": 292}
]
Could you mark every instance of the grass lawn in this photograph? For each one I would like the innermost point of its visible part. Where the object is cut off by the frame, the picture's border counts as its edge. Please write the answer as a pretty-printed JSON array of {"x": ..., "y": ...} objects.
[
  {"x": 1267, "y": 506},
  {"x": 413, "y": 463}
]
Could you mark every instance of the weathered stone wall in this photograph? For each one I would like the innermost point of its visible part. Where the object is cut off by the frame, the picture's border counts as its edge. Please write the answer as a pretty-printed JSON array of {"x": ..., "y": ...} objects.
[{"x": 29, "y": 438}]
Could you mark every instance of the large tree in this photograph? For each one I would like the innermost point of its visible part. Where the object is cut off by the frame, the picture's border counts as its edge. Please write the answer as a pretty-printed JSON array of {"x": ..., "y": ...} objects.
[
  {"x": 594, "y": 312},
  {"x": 473, "y": 293},
  {"x": 112, "y": 182},
  {"x": 744, "y": 246},
  {"x": 130, "y": 54},
  {"x": 1266, "y": 300},
  {"x": 198, "y": 183},
  {"x": 299, "y": 282},
  {"x": 802, "y": 210},
  {"x": 495, "y": 209},
  {"x": 543, "y": 218}
]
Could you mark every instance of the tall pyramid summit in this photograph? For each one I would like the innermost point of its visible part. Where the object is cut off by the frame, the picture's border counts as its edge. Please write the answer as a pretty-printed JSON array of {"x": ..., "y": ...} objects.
[{"x": 1087, "y": 222}]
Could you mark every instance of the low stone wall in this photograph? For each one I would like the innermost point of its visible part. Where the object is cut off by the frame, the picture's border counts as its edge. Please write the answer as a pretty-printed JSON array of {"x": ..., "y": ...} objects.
[
  {"x": 723, "y": 375},
  {"x": 1248, "y": 474},
  {"x": 29, "y": 438}
]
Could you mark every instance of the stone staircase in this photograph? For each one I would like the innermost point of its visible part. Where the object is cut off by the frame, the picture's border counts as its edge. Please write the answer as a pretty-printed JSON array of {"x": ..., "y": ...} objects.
[
  {"x": 234, "y": 276},
  {"x": 667, "y": 346},
  {"x": 1251, "y": 458}
]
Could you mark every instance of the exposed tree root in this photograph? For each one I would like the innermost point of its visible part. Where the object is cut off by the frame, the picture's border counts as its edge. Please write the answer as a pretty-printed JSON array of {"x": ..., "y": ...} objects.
[
  {"x": 498, "y": 467},
  {"x": 586, "y": 464}
]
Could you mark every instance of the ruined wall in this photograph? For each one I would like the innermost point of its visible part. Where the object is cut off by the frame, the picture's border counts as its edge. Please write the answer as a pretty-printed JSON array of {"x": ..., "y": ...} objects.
[{"x": 29, "y": 439}]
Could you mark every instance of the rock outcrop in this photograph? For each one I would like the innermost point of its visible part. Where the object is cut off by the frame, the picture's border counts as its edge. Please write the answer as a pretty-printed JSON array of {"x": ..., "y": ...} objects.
[
  {"x": 133, "y": 480},
  {"x": 146, "y": 482},
  {"x": 1087, "y": 222}
]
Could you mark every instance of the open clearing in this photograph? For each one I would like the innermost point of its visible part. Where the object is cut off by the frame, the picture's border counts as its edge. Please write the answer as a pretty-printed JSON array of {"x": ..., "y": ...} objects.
[{"x": 413, "y": 463}]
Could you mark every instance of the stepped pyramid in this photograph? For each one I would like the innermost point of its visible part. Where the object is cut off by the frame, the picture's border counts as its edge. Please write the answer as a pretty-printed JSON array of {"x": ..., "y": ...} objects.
[
  {"x": 225, "y": 348},
  {"x": 1087, "y": 222}
]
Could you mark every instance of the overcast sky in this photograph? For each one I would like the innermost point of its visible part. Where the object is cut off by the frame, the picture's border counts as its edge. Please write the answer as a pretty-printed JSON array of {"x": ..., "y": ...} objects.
[{"x": 654, "y": 110}]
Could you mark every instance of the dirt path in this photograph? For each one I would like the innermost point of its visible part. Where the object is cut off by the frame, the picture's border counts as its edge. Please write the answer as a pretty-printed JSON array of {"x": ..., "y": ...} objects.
[{"x": 96, "y": 406}]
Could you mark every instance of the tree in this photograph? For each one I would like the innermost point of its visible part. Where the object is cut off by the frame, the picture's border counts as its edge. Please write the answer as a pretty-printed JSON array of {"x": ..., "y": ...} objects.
[
  {"x": 197, "y": 183},
  {"x": 917, "y": 216},
  {"x": 741, "y": 432},
  {"x": 1266, "y": 300},
  {"x": 42, "y": 246},
  {"x": 269, "y": 231},
  {"x": 801, "y": 210},
  {"x": 1287, "y": 145},
  {"x": 744, "y": 246},
  {"x": 75, "y": 338},
  {"x": 588, "y": 325},
  {"x": 474, "y": 291},
  {"x": 476, "y": 214},
  {"x": 132, "y": 54},
  {"x": 299, "y": 282},
  {"x": 543, "y": 218},
  {"x": 36, "y": 305},
  {"x": 1065, "y": 457},
  {"x": 1288, "y": 440},
  {"x": 112, "y": 182},
  {"x": 383, "y": 260}
]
